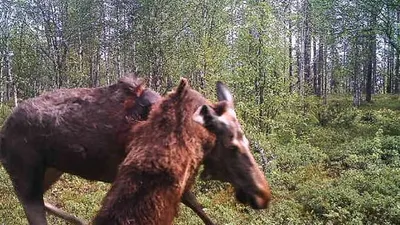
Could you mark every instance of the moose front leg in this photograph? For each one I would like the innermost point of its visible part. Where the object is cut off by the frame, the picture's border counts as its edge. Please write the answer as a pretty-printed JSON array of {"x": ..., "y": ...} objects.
[{"x": 190, "y": 200}]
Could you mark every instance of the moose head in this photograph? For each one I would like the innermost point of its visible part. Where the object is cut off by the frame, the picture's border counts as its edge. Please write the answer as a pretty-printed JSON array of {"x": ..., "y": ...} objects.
[{"x": 230, "y": 159}]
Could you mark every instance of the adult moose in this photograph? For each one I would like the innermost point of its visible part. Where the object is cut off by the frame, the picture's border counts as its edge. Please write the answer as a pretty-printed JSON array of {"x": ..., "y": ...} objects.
[
  {"x": 183, "y": 130},
  {"x": 79, "y": 131}
]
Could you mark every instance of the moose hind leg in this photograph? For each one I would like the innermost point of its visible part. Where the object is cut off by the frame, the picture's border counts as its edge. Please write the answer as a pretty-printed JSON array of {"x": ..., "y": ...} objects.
[{"x": 28, "y": 185}]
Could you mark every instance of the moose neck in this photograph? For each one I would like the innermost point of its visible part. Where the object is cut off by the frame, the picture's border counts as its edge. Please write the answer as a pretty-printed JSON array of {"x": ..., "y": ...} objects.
[
  {"x": 140, "y": 198},
  {"x": 171, "y": 131},
  {"x": 171, "y": 134}
]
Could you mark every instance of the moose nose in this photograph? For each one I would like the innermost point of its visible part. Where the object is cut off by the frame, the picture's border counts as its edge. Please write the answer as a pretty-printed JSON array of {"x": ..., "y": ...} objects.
[
  {"x": 261, "y": 200},
  {"x": 256, "y": 199},
  {"x": 262, "y": 194}
]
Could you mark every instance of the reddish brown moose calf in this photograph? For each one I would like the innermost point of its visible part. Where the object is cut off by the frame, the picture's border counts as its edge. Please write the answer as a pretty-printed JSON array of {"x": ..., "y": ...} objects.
[
  {"x": 182, "y": 131},
  {"x": 79, "y": 131}
]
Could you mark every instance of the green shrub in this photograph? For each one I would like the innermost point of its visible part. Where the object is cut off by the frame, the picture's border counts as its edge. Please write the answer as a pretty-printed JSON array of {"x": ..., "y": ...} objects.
[
  {"x": 338, "y": 113},
  {"x": 293, "y": 156},
  {"x": 358, "y": 197},
  {"x": 5, "y": 111},
  {"x": 391, "y": 150},
  {"x": 389, "y": 121}
]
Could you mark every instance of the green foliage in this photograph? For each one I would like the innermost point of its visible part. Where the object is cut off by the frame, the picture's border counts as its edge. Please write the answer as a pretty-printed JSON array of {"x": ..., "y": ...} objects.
[
  {"x": 358, "y": 197},
  {"x": 5, "y": 111},
  {"x": 342, "y": 171}
]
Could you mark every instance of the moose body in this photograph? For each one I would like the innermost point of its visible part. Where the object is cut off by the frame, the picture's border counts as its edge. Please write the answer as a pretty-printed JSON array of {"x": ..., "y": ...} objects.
[
  {"x": 79, "y": 131},
  {"x": 183, "y": 130}
]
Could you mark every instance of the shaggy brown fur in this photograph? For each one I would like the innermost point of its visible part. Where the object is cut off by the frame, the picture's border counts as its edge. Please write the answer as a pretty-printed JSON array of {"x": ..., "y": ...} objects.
[
  {"x": 155, "y": 173},
  {"x": 164, "y": 157},
  {"x": 79, "y": 131}
]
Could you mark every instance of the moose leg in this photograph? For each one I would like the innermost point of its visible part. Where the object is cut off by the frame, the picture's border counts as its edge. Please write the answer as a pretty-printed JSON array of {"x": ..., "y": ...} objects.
[
  {"x": 63, "y": 215},
  {"x": 190, "y": 200},
  {"x": 51, "y": 176},
  {"x": 27, "y": 182}
]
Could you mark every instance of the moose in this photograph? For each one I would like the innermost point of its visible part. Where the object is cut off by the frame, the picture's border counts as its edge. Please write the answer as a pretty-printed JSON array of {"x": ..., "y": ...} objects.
[
  {"x": 80, "y": 131},
  {"x": 161, "y": 166}
]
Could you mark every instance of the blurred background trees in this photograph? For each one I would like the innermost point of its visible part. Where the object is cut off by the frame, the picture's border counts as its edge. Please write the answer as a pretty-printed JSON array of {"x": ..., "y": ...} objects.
[{"x": 262, "y": 48}]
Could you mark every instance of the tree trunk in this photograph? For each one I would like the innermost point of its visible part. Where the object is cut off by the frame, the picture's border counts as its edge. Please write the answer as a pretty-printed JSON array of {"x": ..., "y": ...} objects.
[
  {"x": 96, "y": 67},
  {"x": 107, "y": 65},
  {"x": 299, "y": 59},
  {"x": 11, "y": 84},
  {"x": 389, "y": 71},
  {"x": 118, "y": 64},
  {"x": 314, "y": 66},
  {"x": 320, "y": 68},
  {"x": 307, "y": 48},
  {"x": 397, "y": 75},
  {"x": 8, "y": 74},
  {"x": 80, "y": 53},
  {"x": 290, "y": 57},
  {"x": 396, "y": 70},
  {"x": 368, "y": 88},
  {"x": 91, "y": 70},
  {"x": 2, "y": 67},
  {"x": 356, "y": 80},
  {"x": 325, "y": 74},
  {"x": 374, "y": 64}
]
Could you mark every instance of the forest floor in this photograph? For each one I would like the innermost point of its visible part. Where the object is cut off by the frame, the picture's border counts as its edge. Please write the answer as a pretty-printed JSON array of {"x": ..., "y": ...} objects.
[{"x": 330, "y": 164}]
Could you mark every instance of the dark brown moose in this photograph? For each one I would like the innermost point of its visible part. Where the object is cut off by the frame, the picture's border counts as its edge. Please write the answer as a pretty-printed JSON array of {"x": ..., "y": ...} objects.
[
  {"x": 166, "y": 151},
  {"x": 79, "y": 131}
]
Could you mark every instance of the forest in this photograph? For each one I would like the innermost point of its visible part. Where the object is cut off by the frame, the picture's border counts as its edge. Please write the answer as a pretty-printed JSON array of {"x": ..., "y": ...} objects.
[{"x": 316, "y": 86}]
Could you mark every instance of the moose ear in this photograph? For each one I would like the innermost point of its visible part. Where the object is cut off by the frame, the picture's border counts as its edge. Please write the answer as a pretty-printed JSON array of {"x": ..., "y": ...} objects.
[
  {"x": 132, "y": 86},
  {"x": 223, "y": 93},
  {"x": 183, "y": 85},
  {"x": 203, "y": 115},
  {"x": 139, "y": 90}
]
